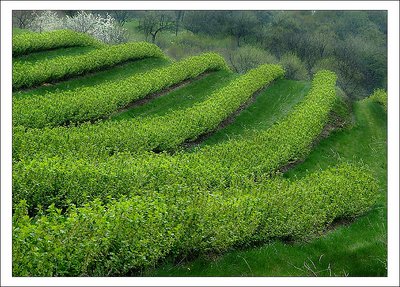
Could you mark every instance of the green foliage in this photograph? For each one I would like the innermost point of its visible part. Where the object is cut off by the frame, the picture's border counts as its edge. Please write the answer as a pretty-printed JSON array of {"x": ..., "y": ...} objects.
[
  {"x": 248, "y": 57},
  {"x": 294, "y": 67},
  {"x": 64, "y": 178},
  {"x": 178, "y": 99},
  {"x": 150, "y": 133},
  {"x": 380, "y": 96},
  {"x": 88, "y": 103},
  {"x": 27, "y": 74},
  {"x": 119, "y": 72},
  {"x": 95, "y": 239},
  {"x": 24, "y": 43},
  {"x": 270, "y": 106},
  {"x": 125, "y": 235},
  {"x": 187, "y": 43}
]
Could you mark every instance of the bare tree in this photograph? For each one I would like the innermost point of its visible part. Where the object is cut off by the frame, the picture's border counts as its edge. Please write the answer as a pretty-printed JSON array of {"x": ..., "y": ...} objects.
[
  {"x": 153, "y": 22},
  {"x": 178, "y": 19},
  {"x": 22, "y": 18},
  {"x": 240, "y": 23},
  {"x": 122, "y": 16}
]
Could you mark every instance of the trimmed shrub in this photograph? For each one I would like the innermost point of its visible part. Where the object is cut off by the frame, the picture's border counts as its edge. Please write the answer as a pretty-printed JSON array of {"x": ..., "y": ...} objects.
[
  {"x": 26, "y": 43},
  {"x": 56, "y": 179},
  {"x": 125, "y": 235},
  {"x": 151, "y": 133},
  {"x": 27, "y": 74},
  {"x": 90, "y": 103}
]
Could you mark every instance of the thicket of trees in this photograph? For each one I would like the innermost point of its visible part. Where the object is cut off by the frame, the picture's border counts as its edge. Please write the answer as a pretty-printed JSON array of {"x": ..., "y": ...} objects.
[{"x": 351, "y": 43}]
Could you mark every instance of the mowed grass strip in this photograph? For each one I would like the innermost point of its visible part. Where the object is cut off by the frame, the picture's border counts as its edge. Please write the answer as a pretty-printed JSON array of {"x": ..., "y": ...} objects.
[
  {"x": 47, "y": 55},
  {"x": 355, "y": 248},
  {"x": 29, "y": 74},
  {"x": 92, "y": 103},
  {"x": 270, "y": 106}
]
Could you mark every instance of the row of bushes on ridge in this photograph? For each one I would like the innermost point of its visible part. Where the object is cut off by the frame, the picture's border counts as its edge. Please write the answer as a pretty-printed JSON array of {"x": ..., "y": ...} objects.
[
  {"x": 149, "y": 133},
  {"x": 62, "y": 178},
  {"x": 26, "y": 43},
  {"x": 89, "y": 103},
  {"x": 138, "y": 231},
  {"x": 26, "y": 74}
]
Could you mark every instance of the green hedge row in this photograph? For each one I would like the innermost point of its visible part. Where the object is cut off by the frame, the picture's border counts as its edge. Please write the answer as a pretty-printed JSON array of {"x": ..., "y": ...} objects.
[
  {"x": 26, "y": 43},
  {"x": 380, "y": 96},
  {"x": 64, "y": 178},
  {"x": 132, "y": 233},
  {"x": 89, "y": 103},
  {"x": 27, "y": 74},
  {"x": 288, "y": 140},
  {"x": 150, "y": 133}
]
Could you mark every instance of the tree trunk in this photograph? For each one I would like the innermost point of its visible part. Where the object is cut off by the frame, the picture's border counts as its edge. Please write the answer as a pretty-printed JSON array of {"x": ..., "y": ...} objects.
[
  {"x": 238, "y": 41},
  {"x": 176, "y": 28}
]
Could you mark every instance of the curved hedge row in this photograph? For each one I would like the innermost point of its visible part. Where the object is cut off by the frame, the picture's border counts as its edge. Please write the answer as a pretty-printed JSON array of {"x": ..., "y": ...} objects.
[
  {"x": 150, "y": 133},
  {"x": 101, "y": 100},
  {"x": 288, "y": 140},
  {"x": 53, "y": 180},
  {"x": 33, "y": 42},
  {"x": 380, "y": 96},
  {"x": 27, "y": 74},
  {"x": 118, "y": 238}
]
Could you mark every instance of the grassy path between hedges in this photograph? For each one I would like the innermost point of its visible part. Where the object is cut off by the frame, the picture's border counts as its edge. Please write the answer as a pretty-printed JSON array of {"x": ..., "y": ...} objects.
[
  {"x": 179, "y": 99},
  {"x": 50, "y": 54},
  {"x": 353, "y": 249},
  {"x": 271, "y": 105}
]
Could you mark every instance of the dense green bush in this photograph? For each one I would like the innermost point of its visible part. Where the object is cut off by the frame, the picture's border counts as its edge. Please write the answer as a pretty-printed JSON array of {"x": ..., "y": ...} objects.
[
  {"x": 64, "y": 178},
  {"x": 248, "y": 57},
  {"x": 89, "y": 103},
  {"x": 150, "y": 133},
  {"x": 95, "y": 239},
  {"x": 294, "y": 68},
  {"x": 25, "y": 43},
  {"x": 127, "y": 234},
  {"x": 27, "y": 74}
]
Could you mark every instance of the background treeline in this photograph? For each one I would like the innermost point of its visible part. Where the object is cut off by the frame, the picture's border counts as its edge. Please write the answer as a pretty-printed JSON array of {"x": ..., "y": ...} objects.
[{"x": 351, "y": 43}]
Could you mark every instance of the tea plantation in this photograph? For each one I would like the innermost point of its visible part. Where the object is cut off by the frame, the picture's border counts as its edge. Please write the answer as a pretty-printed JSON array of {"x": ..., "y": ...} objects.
[{"x": 126, "y": 163}]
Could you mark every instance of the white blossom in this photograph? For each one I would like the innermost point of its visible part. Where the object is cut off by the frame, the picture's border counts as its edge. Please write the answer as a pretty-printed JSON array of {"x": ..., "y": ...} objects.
[
  {"x": 46, "y": 21},
  {"x": 106, "y": 29}
]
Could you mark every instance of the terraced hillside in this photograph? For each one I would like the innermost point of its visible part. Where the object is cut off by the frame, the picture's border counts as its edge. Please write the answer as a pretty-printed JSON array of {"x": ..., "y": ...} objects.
[{"x": 124, "y": 160}]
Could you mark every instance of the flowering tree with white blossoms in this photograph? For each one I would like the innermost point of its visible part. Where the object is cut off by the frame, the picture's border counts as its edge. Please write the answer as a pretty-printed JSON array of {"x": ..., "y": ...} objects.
[
  {"x": 106, "y": 29},
  {"x": 45, "y": 21}
]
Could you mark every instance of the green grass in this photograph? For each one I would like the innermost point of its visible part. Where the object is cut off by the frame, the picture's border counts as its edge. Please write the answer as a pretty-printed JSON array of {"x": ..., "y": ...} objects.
[
  {"x": 272, "y": 104},
  {"x": 17, "y": 31},
  {"x": 181, "y": 98},
  {"x": 133, "y": 32},
  {"x": 50, "y": 54},
  {"x": 116, "y": 73},
  {"x": 356, "y": 249}
]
